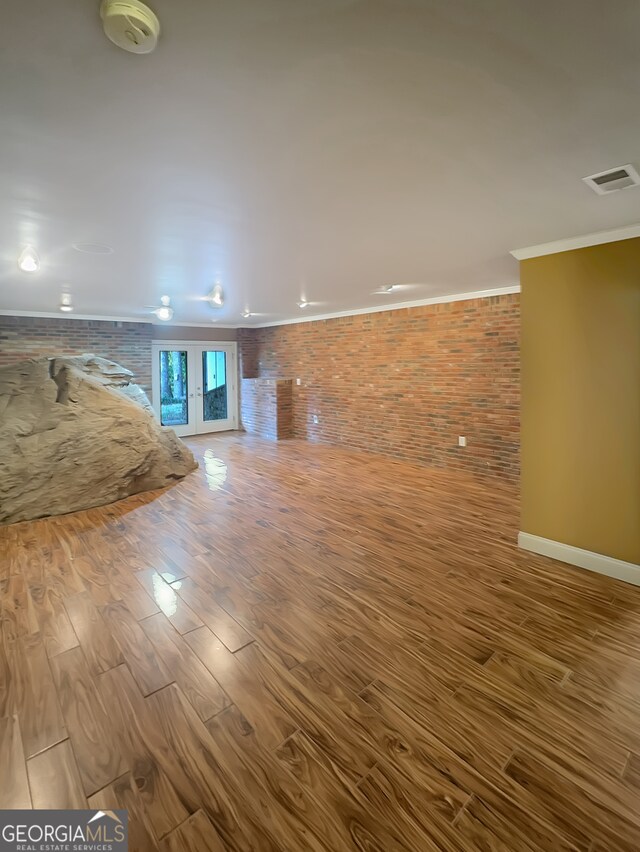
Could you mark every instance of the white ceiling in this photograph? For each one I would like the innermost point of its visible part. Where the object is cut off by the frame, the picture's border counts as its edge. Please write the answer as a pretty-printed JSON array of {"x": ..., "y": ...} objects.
[{"x": 316, "y": 148}]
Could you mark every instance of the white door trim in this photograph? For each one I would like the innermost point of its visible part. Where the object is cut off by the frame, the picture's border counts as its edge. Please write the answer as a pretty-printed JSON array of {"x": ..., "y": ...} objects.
[
  {"x": 191, "y": 347},
  {"x": 231, "y": 373},
  {"x": 184, "y": 343},
  {"x": 155, "y": 386}
]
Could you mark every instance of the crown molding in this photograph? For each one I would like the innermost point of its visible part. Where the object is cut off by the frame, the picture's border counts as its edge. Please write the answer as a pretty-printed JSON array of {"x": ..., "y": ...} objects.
[
  {"x": 595, "y": 239},
  {"x": 101, "y": 318},
  {"x": 71, "y": 316},
  {"x": 211, "y": 324},
  {"x": 376, "y": 309},
  {"x": 396, "y": 306}
]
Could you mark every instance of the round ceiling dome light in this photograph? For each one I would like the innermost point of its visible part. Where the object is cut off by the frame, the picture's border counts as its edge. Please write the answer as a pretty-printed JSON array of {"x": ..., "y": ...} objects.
[
  {"x": 28, "y": 260},
  {"x": 93, "y": 248},
  {"x": 164, "y": 313},
  {"x": 216, "y": 296},
  {"x": 65, "y": 303},
  {"x": 130, "y": 24}
]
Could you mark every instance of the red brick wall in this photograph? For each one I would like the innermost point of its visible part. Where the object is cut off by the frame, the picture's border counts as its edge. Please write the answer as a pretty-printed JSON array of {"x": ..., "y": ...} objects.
[
  {"x": 407, "y": 382},
  {"x": 266, "y": 406},
  {"x": 128, "y": 343}
]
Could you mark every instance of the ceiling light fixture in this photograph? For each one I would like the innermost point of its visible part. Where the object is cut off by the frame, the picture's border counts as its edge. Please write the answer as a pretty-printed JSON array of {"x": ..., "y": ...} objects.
[
  {"x": 28, "y": 261},
  {"x": 247, "y": 313},
  {"x": 165, "y": 313},
  {"x": 388, "y": 288},
  {"x": 216, "y": 296},
  {"x": 130, "y": 24},
  {"x": 65, "y": 303},
  {"x": 303, "y": 303}
]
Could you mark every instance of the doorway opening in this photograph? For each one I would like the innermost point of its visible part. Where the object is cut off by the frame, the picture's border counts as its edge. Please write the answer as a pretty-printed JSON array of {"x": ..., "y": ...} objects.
[{"x": 194, "y": 386}]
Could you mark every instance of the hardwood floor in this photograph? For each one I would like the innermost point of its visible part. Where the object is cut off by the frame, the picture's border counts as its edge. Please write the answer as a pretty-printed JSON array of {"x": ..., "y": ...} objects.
[{"x": 318, "y": 649}]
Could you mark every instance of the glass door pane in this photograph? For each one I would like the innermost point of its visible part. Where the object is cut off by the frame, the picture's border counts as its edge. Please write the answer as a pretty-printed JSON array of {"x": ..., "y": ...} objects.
[
  {"x": 215, "y": 405},
  {"x": 216, "y": 408},
  {"x": 174, "y": 388}
]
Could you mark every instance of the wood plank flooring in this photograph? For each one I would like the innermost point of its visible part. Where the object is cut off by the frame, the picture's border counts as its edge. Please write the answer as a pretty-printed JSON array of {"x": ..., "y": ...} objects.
[{"x": 325, "y": 650}]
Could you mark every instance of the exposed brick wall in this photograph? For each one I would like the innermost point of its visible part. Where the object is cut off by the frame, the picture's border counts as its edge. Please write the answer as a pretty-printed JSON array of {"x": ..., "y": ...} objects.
[
  {"x": 407, "y": 382},
  {"x": 267, "y": 407},
  {"x": 128, "y": 343}
]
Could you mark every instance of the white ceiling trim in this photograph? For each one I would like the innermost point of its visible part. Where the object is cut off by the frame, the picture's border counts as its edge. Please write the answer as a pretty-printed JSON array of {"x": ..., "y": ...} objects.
[
  {"x": 101, "y": 318},
  {"x": 195, "y": 324},
  {"x": 398, "y": 306},
  {"x": 71, "y": 316},
  {"x": 595, "y": 239}
]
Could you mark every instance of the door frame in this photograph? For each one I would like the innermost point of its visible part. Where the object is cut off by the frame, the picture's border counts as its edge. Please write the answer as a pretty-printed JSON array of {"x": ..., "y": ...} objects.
[{"x": 229, "y": 346}]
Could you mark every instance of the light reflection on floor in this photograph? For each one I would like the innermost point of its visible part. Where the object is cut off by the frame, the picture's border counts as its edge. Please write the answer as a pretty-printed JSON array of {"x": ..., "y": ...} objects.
[
  {"x": 215, "y": 471},
  {"x": 164, "y": 595}
]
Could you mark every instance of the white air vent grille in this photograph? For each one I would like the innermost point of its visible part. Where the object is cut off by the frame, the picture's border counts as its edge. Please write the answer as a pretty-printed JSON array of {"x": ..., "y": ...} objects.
[{"x": 621, "y": 177}]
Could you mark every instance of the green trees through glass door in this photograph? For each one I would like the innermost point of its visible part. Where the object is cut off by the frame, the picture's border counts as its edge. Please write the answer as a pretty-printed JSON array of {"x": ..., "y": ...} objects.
[{"x": 173, "y": 388}]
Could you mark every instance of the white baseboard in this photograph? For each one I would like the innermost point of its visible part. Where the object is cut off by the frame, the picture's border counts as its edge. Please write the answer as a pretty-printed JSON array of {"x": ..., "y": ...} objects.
[{"x": 627, "y": 571}]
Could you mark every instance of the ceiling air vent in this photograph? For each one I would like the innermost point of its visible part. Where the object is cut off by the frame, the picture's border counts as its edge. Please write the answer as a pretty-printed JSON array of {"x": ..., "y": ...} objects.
[{"x": 622, "y": 177}]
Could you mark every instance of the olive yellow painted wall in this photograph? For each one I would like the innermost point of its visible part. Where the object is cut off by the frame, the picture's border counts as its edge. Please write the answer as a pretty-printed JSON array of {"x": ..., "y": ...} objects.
[{"x": 581, "y": 398}]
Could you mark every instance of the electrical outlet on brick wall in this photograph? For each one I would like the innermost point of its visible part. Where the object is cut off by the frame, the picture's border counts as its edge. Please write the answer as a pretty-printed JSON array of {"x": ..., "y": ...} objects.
[{"x": 316, "y": 419}]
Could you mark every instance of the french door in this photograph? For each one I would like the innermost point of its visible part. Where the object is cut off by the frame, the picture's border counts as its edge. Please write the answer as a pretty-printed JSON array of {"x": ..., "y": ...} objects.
[{"x": 194, "y": 386}]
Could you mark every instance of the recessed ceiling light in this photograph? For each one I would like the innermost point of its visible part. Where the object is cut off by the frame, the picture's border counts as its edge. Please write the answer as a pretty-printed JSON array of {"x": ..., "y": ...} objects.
[
  {"x": 93, "y": 248},
  {"x": 216, "y": 296},
  {"x": 387, "y": 288},
  {"x": 303, "y": 303},
  {"x": 65, "y": 303},
  {"x": 28, "y": 260},
  {"x": 165, "y": 313},
  {"x": 246, "y": 314}
]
